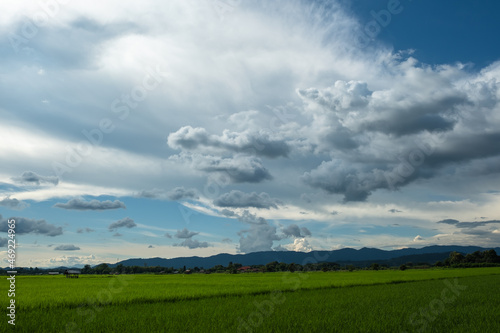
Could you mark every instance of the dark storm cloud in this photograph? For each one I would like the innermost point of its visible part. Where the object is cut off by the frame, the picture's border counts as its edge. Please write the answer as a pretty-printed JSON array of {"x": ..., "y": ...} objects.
[
  {"x": 81, "y": 204},
  {"x": 421, "y": 116},
  {"x": 31, "y": 177},
  {"x": 66, "y": 248},
  {"x": 293, "y": 230},
  {"x": 239, "y": 169},
  {"x": 239, "y": 199},
  {"x": 185, "y": 233},
  {"x": 123, "y": 223},
  {"x": 256, "y": 143},
  {"x": 31, "y": 226},
  {"x": 337, "y": 177},
  {"x": 465, "y": 148}
]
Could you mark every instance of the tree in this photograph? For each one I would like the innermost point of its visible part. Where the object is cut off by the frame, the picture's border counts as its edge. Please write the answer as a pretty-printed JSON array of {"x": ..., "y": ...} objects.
[
  {"x": 402, "y": 267},
  {"x": 271, "y": 267},
  {"x": 375, "y": 266},
  {"x": 291, "y": 267},
  {"x": 456, "y": 258},
  {"x": 87, "y": 269}
]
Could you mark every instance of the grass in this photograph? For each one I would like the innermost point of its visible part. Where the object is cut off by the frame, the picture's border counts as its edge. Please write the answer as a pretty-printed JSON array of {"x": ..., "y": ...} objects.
[{"x": 377, "y": 301}]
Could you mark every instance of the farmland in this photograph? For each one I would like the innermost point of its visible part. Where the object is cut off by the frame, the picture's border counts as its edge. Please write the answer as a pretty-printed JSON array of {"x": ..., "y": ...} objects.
[{"x": 436, "y": 300}]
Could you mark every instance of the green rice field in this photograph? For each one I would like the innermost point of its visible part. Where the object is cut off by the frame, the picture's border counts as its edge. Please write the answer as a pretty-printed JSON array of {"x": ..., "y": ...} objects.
[{"x": 431, "y": 300}]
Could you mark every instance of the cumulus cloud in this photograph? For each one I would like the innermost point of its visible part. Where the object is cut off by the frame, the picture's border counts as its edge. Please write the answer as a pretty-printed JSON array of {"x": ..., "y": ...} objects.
[
  {"x": 338, "y": 177},
  {"x": 185, "y": 233},
  {"x": 239, "y": 199},
  {"x": 255, "y": 143},
  {"x": 81, "y": 230},
  {"x": 459, "y": 224},
  {"x": 31, "y": 177},
  {"x": 259, "y": 237},
  {"x": 150, "y": 247},
  {"x": 192, "y": 244},
  {"x": 300, "y": 245},
  {"x": 13, "y": 203},
  {"x": 123, "y": 223},
  {"x": 227, "y": 213},
  {"x": 168, "y": 235},
  {"x": 226, "y": 240},
  {"x": 31, "y": 226},
  {"x": 280, "y": 248},
  {"x": 66, "y": 248},
  {"x": 250, "y": 218},
  {"x": 81, "y": 204},
  {"x": 178, "y": 193},
  {"x": 393, "y": 210},
  {"x": 293, "y": 230},
  {"x": 239, "y": 169},
  {"x": 417, "y": 238}
]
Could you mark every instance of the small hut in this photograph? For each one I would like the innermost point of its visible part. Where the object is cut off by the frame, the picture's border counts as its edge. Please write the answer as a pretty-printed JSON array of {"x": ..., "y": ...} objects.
[{"x": 72, "y": 274}]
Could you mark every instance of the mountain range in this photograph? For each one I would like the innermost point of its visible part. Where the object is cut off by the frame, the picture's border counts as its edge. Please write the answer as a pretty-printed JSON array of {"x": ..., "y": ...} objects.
[{"x": 361, "y": 257}]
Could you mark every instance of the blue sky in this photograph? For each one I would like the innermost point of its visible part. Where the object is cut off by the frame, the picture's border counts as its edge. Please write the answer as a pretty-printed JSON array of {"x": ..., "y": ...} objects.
[{"x": 196, "y": 128}]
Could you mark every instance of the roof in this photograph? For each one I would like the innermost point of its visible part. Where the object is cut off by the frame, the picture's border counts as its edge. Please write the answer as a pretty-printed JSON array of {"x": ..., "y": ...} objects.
[{"x": 244, "y": 268}]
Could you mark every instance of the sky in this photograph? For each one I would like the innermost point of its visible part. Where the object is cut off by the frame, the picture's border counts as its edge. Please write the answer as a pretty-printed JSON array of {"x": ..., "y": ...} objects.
[{"x": 191, "y": 128}]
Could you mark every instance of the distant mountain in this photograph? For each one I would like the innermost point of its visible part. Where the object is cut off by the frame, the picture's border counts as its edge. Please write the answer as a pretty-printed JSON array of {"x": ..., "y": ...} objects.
[{"x": 362, "y": 257}]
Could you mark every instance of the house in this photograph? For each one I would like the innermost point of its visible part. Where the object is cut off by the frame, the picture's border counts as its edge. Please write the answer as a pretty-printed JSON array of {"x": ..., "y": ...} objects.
[
  {"x": 71, "y": 273},
  {"x": 244, "y": 269},
  {"x": 53, "y": 273}
]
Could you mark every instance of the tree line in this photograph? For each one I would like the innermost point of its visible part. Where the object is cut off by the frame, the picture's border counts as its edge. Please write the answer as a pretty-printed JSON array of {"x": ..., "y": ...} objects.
[{"x": 455, "y": 259}]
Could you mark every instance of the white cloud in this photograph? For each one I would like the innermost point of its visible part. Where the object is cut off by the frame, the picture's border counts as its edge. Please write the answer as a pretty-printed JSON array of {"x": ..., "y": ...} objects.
[{"x": 299, "y": 245}]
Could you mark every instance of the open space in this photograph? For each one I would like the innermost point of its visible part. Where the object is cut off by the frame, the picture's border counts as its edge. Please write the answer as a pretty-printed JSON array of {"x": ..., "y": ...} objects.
[{"x": 463, "y": 300}]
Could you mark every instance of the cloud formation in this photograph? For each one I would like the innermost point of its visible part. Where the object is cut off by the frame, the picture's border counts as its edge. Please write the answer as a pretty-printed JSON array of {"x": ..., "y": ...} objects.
[
  {"x": 123, "y": 223},
  {"x": 198, "y": 139},
  {"x": 82, "y": 230},
  {"x": 259, "y": 236},
  {"x": 293, "y": 230},
  {"x": 178, "y": 193},
  {"x": 81, "y": 204},
  {"x": 239, "y": 169},
  {"x": 31, "y": 226},
  {"x": 13, "y": 203},
  {"x": 31, "y": 177},
  {"x": 459, "y": 224},
  {"x": 192, "y": 244},
  {"x": 239, "y": 199},
  {"x": 185, "y": 233},
  {"x": 66, "y": 248}
]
